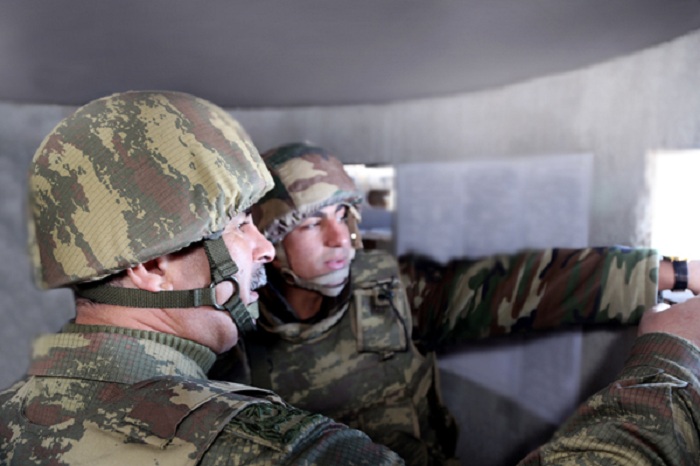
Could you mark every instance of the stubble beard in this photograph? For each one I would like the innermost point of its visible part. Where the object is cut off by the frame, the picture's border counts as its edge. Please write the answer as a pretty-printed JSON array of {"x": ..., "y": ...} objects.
[{"x": 259, "y": 278}]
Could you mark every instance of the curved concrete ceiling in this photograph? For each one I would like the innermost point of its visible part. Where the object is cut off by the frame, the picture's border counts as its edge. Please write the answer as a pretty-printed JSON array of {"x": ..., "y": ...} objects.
[{"x": 314, "y": 52}]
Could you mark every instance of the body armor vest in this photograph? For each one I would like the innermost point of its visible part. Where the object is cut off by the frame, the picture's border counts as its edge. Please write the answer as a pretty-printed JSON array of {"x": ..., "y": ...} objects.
[{"x": 360, "y": 366}]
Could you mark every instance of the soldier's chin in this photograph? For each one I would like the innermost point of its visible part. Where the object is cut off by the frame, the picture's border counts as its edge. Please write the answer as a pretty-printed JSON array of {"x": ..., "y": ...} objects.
[{"x": 342, "y": 283}]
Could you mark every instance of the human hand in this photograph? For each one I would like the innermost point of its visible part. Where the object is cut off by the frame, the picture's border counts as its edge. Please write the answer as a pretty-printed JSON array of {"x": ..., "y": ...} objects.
[{"x": 682, "y": 320}]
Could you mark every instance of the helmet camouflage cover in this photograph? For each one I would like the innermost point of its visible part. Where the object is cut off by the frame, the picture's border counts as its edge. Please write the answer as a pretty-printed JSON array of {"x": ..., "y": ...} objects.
[
  {"x": 133, "y": 176},
  {"x": 307, "y": 178}
]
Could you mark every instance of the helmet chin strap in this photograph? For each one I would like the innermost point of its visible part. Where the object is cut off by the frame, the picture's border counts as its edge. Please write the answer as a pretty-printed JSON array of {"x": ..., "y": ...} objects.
[
  {"x": 222, "y": 269},
  {"x": 329, "y": 284}
]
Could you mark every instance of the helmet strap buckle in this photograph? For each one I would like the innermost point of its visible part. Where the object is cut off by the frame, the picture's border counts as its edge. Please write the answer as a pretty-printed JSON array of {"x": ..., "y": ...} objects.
[{"x": 223, "y": 269}]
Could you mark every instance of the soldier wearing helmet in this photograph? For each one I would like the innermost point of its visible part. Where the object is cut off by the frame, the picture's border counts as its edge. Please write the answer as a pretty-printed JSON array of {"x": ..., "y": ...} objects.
[
  {"x": 140, "y": 203},
  {"x": 352, "y": 333}
]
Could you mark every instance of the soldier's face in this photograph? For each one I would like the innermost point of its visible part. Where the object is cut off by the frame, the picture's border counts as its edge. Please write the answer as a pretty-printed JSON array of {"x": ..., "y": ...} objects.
[
  {"x": 320, "y": 244},
  {"x": 250, "y": 250}
]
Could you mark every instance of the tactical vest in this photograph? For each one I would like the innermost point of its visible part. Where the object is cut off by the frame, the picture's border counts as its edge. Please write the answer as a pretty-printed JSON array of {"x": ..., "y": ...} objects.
[
  {"x": 360, "y": 366},
  {"x": 164, "y": 420}
]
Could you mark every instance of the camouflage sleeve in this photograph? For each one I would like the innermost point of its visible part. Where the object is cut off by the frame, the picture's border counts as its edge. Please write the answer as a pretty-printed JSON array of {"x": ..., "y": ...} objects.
[
  {"x": 649, "y": 416},
  {"x": 531, "y": 290},
  {"x": 268, "y": 434}
]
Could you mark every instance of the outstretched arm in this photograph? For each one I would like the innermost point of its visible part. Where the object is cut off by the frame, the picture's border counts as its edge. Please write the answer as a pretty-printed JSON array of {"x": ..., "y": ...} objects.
[{"x": 528, "y": 291}]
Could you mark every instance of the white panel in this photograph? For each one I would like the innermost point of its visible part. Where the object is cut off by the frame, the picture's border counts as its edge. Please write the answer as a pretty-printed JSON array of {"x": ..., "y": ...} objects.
[
  {"x": 514, "y": 385},
  {"x": 461, "y": 209}
]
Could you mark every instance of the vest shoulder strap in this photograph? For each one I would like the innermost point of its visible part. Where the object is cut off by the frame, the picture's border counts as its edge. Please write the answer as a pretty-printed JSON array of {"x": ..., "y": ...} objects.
[{"x": 382, "y": 317}]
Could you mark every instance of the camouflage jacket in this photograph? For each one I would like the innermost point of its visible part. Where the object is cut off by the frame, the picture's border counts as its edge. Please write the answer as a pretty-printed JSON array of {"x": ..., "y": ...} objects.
[
  {"x": 532, "y": 290},
  {"x": 359, "y": 364},
  {"x": 103, "y": 395},
  {"x": 648, "y": 416}
]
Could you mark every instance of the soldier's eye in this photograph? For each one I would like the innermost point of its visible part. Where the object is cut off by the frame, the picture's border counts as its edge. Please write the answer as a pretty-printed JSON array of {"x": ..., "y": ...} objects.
[
  {"x": 310, "y": 225},
  {"x": 342, "y": 214},
  {"x": 246, "y": 221}
]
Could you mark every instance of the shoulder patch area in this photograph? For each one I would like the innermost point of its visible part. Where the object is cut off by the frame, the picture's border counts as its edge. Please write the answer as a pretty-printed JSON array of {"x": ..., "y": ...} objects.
[
  {"x": 277, "y": 426},
  {"x": 155, "y": 411}
]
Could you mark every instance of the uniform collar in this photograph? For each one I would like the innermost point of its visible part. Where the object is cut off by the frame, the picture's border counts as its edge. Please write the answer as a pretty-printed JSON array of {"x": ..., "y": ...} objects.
[{"x": 116, "y": 354}]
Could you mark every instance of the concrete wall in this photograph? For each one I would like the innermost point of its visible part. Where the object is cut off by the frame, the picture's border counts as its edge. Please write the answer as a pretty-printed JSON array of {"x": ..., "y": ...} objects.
[{"x": 617, "y": 111}]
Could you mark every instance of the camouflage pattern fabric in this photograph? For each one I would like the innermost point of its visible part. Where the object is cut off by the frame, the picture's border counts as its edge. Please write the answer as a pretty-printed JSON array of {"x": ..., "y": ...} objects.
[
  {"x": 533, "y": 290},
  {"x": 133, "y": 176},
  {"x": 360, "y": 365},
  {"x": 370, "y": 376},
  {"x": 307, "y": 178},
  {"x": 648, "y": 416},
  {"x": 103, "y": 395}
]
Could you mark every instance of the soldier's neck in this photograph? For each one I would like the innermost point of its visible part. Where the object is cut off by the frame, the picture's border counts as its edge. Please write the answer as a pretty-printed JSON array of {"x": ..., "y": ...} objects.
[{"x": 305, "y": 303}]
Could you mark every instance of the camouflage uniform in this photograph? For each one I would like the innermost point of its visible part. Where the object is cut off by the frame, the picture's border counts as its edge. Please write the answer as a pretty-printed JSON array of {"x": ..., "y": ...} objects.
[
  {"x": 648, "y": 416},
  {"x": 103, "y": 395},
  {"x": 123, "y": 180},
  {"x": 368, "y": 359},
  {"x": 531, "y": 290}
]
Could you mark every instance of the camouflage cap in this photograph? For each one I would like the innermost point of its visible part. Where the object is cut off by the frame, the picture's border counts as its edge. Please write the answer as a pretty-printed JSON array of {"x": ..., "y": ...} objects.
[
  {"x": 307, "y": 178},
  {"x": 133, "y": 176}
]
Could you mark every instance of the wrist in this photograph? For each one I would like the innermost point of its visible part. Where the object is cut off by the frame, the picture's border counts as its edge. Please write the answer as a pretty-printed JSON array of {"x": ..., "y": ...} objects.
[{"x": 680, "y": 272}]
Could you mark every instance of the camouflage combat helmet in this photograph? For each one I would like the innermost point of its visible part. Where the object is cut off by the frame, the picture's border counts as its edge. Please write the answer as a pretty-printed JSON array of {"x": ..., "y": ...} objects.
[
  {"x": 131, "y": 177},
  {"x": 307, "y": 178}
]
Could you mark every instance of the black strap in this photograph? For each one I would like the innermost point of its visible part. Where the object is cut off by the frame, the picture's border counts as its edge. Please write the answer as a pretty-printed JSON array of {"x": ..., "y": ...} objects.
[{"x": 680, "y": 272}]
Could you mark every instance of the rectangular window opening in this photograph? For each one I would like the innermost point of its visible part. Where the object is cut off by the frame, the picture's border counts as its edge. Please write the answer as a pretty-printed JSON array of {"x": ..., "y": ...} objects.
[{"x": 675, "y": 227}]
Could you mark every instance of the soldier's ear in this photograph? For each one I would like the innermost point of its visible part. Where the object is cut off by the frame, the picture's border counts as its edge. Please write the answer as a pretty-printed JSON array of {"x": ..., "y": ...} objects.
[{"x": 150, "y": 276}]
